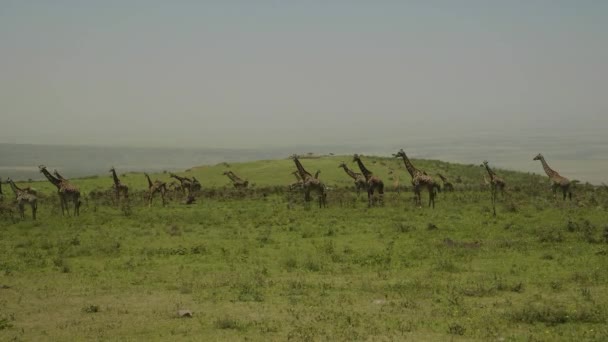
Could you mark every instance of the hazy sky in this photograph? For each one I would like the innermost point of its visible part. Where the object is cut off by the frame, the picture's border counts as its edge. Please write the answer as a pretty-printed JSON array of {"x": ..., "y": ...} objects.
[{"x": 261, "y": 73}]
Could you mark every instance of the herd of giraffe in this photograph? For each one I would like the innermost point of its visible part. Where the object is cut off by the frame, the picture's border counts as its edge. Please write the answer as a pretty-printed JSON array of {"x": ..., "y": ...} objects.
[{"x": 305, "y": 182}]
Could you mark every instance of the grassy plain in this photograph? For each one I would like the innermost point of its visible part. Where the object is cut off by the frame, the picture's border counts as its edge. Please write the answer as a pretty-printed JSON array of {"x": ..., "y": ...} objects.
[{"x": 261, "y": 265}]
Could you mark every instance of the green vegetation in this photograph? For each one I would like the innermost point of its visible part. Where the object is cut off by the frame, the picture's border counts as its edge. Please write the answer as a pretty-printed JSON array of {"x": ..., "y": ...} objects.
[{"x": 262, "y": 265}]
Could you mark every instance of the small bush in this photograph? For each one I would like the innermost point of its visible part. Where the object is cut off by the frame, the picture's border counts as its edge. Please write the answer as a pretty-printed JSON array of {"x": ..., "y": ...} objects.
[
  {"x": 227, "y": 323},
  {"x": 91, "y": 309},
  {"x": 456, "y": 329}
]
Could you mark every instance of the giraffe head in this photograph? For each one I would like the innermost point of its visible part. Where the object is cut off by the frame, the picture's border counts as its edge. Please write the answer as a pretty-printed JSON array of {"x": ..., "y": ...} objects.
[
  {"x": 400, "y": 154},
  {"x": 41, "y": 168},
  {"x": 226, "y": 173},
  {"x": 538, "y": 157},
  {"x": 342, "y": 164},
  {"x": 112, "y": 169},
  {"x": 484, "y": 164},
  {"x": 356, "y": 157}
]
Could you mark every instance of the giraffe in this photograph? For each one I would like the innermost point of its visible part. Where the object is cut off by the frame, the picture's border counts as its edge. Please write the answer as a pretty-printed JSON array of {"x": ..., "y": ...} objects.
[
  {"x": 185, "y": 182},
  {"x": 157, "y": 186},
  {"x": 373, "y": 182},
  {"x": 309, "y": 183},
  {"x": 419, "y": 180},
  {"x": 557, "y": 180},
  {"x": 447, "y": 185},
  {"x": 118, "y": 186},
  {"x": 24, "y": 197},
  {"x": 67, "y": 191},
  {"x": 237, "y": 182},
  {"x": 360, "y": 182},
  {"x": 496, "y": 184}
]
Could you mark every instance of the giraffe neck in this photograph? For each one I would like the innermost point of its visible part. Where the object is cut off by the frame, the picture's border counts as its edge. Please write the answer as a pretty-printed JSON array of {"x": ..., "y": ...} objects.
[
  {"x": 409, "y": 166},
  {"x": 297, "y": 176},
  {"x": 442, "y": 177},
  {"x": 115, "y": 177},
  {"x": 231, "y": 176},
  {"x": 366, "y": 173},
  {"x": 490, "y": 172},
  {"x": 317, "y": 174},
  {"x": 180, "y": 179},
  {"x": 549, "y": 171},
  {"x": 16, "y": 190},
  {"x": 60, "y": 177},
  {"x": 149, "y": 181},
  {"x": 303, "y": 173},
  {"x": 349, "y": 172},
  {"x": 51, "y": 179},
  {"x": 236, "y": 178}
]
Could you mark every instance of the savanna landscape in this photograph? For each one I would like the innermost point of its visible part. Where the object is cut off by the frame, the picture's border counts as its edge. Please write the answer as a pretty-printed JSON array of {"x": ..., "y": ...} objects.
[
  {"x": 261, "y": 263},
  {"x": 237, "y": 170}
]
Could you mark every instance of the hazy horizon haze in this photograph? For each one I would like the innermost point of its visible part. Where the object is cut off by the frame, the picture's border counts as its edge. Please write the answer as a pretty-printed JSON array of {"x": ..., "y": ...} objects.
[{"x": 244, "y": 74}]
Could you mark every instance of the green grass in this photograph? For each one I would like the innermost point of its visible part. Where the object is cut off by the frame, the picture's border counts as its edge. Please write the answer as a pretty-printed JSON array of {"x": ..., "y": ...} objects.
[{"x": 261, "y": 265}]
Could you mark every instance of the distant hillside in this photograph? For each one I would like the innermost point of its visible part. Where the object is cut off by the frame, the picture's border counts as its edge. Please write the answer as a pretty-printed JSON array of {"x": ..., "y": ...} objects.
[{"x": 278, "y": 172}]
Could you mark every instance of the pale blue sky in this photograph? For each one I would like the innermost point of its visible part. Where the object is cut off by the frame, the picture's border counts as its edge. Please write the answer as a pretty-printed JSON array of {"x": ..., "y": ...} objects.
[{"x": 271, "y": 73}]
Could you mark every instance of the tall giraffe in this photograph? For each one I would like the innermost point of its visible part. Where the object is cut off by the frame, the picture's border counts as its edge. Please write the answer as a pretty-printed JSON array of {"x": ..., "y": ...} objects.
[
  {"x": 496, "y": 184},
  {"x": 309, "y": 183},
  {"x": 419, "y": 180},
  {"x": 557, "y": 180},
  {"x": 360, "y": 182},
  {"x": 237, "y": 182},
  {"x": 118, "y": 186},
  {"x": 157, "y": 186},
  {"x": 24, "y": 197},
  {"x": 67, "y": 191},
  {"x": 185, "y": 182},
  {"x": 373, "y": 182},
  {"x": 447, "y": 185}
]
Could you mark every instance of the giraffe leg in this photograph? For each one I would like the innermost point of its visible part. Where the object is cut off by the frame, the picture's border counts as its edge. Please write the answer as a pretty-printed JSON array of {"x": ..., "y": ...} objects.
[
  {"x": 494, "y": 199},
  {"x": 21, "y": 209},
  {"x": 34, "y": 206},
  {"x": 418, "y": 197},
  {"x": 64, "y": 203},
  {"x": 61, "y": 205}
]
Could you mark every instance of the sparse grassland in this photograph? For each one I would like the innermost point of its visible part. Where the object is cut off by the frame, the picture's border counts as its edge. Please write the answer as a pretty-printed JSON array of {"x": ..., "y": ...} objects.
[{"x": 261, "y": 265}]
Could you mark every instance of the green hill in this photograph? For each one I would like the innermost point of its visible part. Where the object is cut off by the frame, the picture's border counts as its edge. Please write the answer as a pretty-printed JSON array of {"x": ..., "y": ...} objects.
[{"x": 264, "y": 173}]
